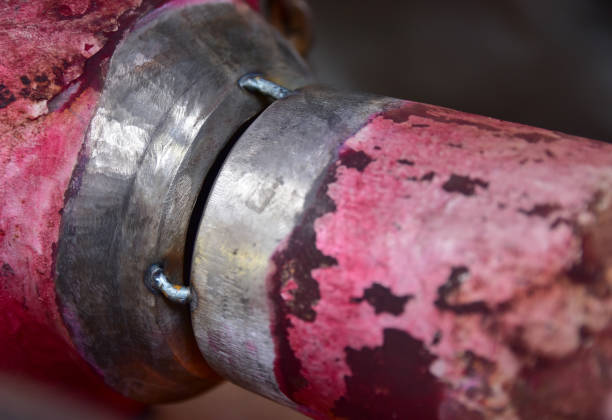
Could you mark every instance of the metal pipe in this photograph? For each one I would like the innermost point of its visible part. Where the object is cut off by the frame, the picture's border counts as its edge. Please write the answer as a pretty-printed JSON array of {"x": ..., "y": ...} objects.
[
  {"x": 101, "y": 167},
  {"x": 366, "y": 257},
  {"x": 354, "y": 255}
]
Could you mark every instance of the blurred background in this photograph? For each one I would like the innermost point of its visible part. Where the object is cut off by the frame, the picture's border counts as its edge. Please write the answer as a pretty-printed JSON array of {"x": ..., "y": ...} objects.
[{"x": 546, "y": 63}]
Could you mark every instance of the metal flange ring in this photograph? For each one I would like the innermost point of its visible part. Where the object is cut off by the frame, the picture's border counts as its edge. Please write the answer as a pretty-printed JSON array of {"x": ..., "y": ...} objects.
[{"x": 169, "y": 106}]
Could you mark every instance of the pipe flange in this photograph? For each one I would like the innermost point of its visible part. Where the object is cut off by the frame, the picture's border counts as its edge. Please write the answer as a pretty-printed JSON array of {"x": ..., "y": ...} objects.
[
  {"x": 170, "y": 104},
  {"x": 259, "y": 197}
]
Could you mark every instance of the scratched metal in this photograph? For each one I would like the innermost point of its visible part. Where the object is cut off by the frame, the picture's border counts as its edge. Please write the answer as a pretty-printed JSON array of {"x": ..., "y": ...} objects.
[
  {"x": 256, "y": 202},
  {"x": 169, "y": 104}
]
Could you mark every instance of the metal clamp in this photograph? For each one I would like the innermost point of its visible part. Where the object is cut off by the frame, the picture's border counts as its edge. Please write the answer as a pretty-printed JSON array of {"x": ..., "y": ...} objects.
[
  {"x": 255, "y": 83},
  {"x": 156, "y": 281}
]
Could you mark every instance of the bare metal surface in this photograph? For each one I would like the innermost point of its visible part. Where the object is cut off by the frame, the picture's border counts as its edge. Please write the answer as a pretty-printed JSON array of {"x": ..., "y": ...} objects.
[
  {"x": 256, "y": 201},
  {"x": 156, "y": 281},
  {"x": 169, "y": 105},
  {"x": 255, "y": 83}
]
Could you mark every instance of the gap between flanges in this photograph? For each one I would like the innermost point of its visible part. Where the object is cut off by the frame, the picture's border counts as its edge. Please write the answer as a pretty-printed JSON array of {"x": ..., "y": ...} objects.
[
  {"x": 155, "y": 278},
  {"x": 252, "y": 82},
  {"x": 205, "y": 190}
]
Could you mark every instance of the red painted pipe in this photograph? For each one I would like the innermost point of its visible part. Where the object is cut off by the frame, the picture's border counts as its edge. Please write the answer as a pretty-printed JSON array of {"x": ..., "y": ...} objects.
[
  {"x": 413, "y": 261},
  {"x": 445, "y": 266},
  {"x": 51, "y": 75},
  {"x": 451, "y": 266}
]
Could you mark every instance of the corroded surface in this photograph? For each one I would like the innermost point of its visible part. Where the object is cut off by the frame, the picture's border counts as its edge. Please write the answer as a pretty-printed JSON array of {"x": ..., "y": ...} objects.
[
  {"x": 46, "y": 102},
  {"x": 256, "y": 200},
  {"x": 45, "y": 45},
  {"x": 170, "y": 104},
  {"x": 450, "y": 266},
  {"x": 55, "y": 58}
]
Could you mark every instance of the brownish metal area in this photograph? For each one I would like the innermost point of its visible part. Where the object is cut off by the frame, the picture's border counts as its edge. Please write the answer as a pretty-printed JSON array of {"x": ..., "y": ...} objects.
[{"x": 293, "y": 19}]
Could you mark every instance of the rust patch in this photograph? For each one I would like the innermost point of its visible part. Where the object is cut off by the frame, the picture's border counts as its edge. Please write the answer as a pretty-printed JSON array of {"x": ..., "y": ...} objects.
[
  {"x": 541, "y": 210},
  {"x": 355, "y": 159},
  {"x": 6, "y": 96},
  {"x": 6, "y": 271},
  {"x": 390, "y": 382},
  {"x": 429, "y": 176},
  {"x": 455, "y": 279},
  {"x": 383, "y": 300},
  {"x": 403, "y": 114},
  {"x": 295, "y": 262},
  {"x": 479, "y": 369},
  {"x": 574, "y": 387},
  {"x": 464, "y": 185},
  {"x": 595, "y": 265},
  {"x": 405, "y": 162},
  {"x": 535, "y": 137}
]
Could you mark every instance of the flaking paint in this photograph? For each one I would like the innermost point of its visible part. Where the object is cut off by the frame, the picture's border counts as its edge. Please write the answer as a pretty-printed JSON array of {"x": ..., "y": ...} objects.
[
  {"x": 54, "y": 58},
  {"x": 469, "y": 216}
]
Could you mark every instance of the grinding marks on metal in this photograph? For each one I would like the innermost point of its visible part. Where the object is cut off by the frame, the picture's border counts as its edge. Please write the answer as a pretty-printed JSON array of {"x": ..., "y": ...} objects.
[
  {"x": 156, "y": 281},
  {"x": 344, "y": 262},
  {"x": 256, "y": 83},
  {"x": 257, "y": 201},
  {"x": 170, "y": 104}
]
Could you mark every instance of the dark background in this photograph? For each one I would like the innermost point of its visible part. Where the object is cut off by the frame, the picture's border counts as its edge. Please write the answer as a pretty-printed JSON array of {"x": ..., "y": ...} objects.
[{"x": 540, "y": 62}]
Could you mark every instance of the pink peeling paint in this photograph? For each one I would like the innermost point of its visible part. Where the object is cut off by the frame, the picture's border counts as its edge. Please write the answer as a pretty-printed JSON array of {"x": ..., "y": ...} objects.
[
  {"x": 54, "y": 55},
  {"x": 51, "y": 79},
  {"x": 461, "y": 239},
  {"x": 45, "y": 45},
  {"x": 37, "y": 163}
]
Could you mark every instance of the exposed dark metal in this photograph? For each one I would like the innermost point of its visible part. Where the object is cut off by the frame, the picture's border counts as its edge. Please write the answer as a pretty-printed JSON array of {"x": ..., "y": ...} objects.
[
  {"x": 170, "y": 105},
  {"x": 256, "y": 201}
]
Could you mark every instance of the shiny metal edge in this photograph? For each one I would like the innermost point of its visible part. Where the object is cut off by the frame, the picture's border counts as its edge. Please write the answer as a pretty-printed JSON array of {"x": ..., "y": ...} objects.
[
  {"x": 257, "y": 200},
  {"x": 169, "y": 104}
]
